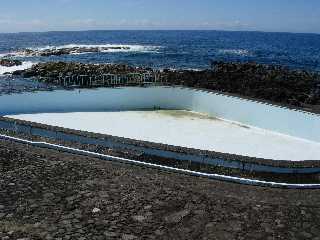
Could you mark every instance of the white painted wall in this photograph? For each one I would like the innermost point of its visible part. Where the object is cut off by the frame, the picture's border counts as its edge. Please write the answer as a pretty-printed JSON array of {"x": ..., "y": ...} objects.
[{"x": 282, "y": 120}]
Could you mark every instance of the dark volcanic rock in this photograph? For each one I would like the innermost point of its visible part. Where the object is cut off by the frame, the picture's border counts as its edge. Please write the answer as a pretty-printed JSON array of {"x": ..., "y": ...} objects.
[
  {"x": 10, "y": 62},
  {"x": 55, "y": 69},
  {"x": 47, "y": 194},
  {"x": 263, "y": 82}
]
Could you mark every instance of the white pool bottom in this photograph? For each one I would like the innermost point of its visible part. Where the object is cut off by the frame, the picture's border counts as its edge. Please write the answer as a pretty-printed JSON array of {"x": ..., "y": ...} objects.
[{"x": 186, "y": 129}]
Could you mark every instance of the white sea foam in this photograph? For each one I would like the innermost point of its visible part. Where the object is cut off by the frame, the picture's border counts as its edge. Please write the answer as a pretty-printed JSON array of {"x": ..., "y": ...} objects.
[
  {"x": 240, "y": 52},
  {"x": 25, "y": 65},
  {"x": 106, "y": 48}
]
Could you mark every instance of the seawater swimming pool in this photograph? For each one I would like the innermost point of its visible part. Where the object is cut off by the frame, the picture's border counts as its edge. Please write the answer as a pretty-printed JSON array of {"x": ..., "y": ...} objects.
[{"x": 189, "y": 118}]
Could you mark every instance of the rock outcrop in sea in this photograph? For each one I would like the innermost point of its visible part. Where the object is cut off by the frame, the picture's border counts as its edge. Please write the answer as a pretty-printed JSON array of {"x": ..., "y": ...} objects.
[
  {"x": 56, "y": 51},
  {"x": 261, "y": 82},
  {"x": 9, "y": 62}
]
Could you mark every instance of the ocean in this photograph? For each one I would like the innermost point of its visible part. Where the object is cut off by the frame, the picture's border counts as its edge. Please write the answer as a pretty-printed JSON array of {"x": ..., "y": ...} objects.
[{"x": 170, "y": 49}]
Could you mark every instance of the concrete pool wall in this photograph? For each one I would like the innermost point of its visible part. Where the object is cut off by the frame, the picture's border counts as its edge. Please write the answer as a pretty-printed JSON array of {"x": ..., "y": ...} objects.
[{"x": 279, "y": 119}]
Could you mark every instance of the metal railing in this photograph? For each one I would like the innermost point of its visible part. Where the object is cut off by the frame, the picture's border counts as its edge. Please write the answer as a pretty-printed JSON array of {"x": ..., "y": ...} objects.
[{"x": 92, "y": 80}]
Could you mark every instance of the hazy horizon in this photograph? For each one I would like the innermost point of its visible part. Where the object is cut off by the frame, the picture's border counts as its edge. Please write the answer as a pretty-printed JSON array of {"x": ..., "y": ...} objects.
[{"x": 137, "y": 30}]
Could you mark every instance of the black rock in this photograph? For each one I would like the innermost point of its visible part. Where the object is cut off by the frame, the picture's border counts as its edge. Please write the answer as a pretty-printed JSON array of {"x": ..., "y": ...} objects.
[{"x": 10, "y": 62}]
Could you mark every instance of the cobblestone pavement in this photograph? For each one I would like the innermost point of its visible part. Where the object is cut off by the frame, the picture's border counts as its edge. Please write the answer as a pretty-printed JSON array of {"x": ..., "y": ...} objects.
[{"x": 45, "y": 194}]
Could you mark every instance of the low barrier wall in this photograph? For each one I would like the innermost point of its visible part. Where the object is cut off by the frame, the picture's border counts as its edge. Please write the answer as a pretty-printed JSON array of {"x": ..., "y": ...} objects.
[{"x": 162, "y": 167}]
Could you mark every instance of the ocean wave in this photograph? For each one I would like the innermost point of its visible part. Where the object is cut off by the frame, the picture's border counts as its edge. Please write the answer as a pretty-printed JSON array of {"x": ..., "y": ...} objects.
[
  {"x": 239, "y": 52},
  {"x": 76, "y": 49},
  {"x": 112, "y": 47},
  {"x": 25, "y": 65}
]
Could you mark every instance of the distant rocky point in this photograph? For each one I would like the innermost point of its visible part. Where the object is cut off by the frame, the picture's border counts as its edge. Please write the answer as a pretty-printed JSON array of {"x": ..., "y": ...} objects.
[
  {"x": 67, "y": 50},
  {"x": 10, "y": 63}
]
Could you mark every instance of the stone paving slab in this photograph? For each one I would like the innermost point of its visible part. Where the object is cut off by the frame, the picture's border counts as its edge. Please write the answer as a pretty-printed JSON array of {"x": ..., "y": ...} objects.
[{"x": 45, "y": 194}]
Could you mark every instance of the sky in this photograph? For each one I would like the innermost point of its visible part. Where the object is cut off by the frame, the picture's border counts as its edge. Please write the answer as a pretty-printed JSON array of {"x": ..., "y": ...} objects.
[{"x": 235, "y": 15}]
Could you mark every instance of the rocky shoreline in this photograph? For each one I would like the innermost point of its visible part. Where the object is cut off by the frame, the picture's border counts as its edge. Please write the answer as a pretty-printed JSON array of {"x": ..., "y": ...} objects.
[
  {"x": 261, "y": 82},
  {"x": 276, "y": 84},
  {"x": 55, "y": 69}
]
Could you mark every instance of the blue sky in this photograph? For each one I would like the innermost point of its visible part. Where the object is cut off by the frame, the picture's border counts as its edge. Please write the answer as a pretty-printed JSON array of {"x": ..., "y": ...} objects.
[{"x": 257, "y": 15}]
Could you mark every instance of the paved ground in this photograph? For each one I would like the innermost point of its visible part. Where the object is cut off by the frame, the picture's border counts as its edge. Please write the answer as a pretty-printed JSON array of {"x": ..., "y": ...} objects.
[{"x": 45, "y": 194}]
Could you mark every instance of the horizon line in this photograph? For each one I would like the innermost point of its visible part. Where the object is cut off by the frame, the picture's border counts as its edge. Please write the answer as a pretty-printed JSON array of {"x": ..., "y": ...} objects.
[{"x": 147, "y": 29}]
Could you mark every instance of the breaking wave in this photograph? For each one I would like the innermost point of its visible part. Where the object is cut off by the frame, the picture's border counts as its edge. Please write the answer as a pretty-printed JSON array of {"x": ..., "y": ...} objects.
[
  {"x": 25, "y": 65},
  {"x": 239, "y": 52},
  {"x": 76, "y": 49}
]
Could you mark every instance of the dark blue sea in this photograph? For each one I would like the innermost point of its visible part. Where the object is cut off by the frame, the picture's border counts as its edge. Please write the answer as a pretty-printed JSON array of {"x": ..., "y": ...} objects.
[{"x": 173, "y": 49}]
